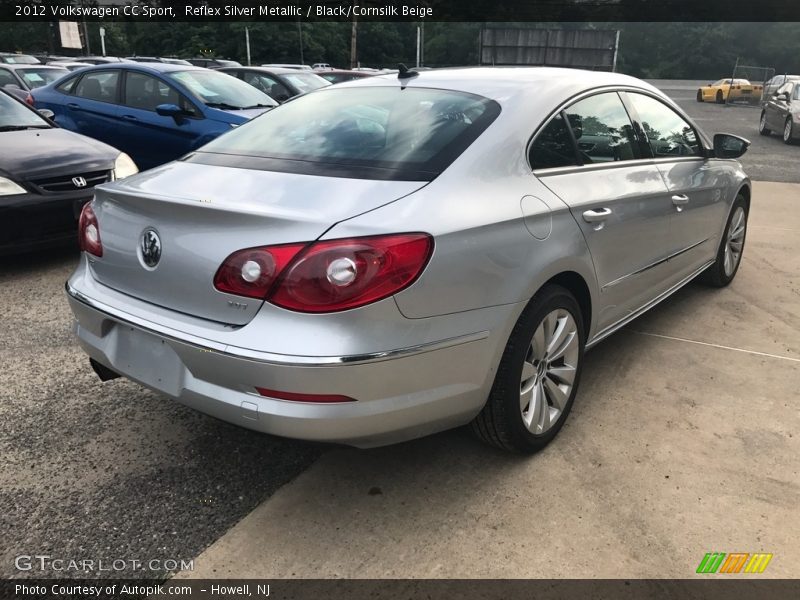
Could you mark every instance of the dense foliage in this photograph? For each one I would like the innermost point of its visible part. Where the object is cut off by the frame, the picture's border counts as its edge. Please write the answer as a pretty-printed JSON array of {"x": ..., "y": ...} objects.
[{"x": 657, "y": 50}]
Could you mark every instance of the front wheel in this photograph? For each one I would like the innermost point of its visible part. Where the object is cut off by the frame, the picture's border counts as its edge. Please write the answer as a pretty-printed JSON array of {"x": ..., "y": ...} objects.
[
  {"x": 699, "y": 95},
  {"x": 538, "y": 375},
  {"x": 729, "y": 254},
  {"x": 720, "y": 97},
  {"x": 762, "y": 124}
]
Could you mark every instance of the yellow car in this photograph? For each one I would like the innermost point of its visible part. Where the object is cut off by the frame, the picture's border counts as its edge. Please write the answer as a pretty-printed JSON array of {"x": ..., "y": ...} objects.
[{"x": 737, "y": 89}]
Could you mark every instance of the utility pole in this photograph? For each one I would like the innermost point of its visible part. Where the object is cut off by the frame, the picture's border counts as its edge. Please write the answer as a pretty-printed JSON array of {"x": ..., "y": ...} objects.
[
  {"x": 418, "y": 44},
  {"x": 300, "y": 38},
  {"x": 86, "y": 33},
  {"x": 353, "y": 39},
  {"x": 247, "y": 42}
]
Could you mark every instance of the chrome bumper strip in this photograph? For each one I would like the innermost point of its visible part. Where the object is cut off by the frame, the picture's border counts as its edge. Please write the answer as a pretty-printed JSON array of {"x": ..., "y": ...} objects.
[{"x": 268, "y": 357}]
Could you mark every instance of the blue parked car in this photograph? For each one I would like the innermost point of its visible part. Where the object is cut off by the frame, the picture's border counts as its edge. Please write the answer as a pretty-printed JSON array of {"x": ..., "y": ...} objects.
[{"x": 154, "y": 112}]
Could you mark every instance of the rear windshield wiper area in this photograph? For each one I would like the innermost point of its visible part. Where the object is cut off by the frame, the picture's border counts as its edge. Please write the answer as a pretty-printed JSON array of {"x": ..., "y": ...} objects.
[
  {"x": 224, "y": 106},
  {"x": 22, "y": 127}
]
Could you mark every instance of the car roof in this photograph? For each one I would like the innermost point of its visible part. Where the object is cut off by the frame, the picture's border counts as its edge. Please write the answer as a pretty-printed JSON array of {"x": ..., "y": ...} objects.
[
  {"x": 15, "y": 66},
  {"x": 275, "y": 70},
  {"x": 503, "y": 83},
  {"x": 155, "y": 67}
]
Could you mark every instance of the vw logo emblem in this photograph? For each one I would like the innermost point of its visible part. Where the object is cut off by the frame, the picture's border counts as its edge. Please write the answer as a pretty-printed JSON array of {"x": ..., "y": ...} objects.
[
  {"x": 150, "y": 248},
  {"x": 79, "y": 182}
]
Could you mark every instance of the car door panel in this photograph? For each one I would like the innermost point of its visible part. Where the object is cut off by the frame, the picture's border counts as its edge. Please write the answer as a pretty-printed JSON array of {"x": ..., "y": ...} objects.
[
  {"x": 629, "y": 241},
  {"x": 152, "y": 139},
  {"x": 694, "y": 184},
  {"x": 93, "y": 109}
]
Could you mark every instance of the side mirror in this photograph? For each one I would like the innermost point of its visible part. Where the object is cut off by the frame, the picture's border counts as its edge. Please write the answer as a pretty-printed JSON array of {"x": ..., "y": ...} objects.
[
  {"x": 282, "y": 98},
  {"x": 169, "y": 110},
  {"x": 784, "y": 97},
  {"x": 727, "y": 145},
  {"x": 46, "y": 113}
]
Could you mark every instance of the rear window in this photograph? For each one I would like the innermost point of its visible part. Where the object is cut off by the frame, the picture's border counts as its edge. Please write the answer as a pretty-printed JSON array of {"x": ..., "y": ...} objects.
[
  {"x": 306, "y": 82},
  {"x": 35, "y": 78},
  {"x": 408, "y": 134}
]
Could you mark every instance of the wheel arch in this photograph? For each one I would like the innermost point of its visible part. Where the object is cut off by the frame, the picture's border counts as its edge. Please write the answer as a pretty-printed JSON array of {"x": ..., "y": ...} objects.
[
  {"x": 746, "y": 192},
  {"x": 577, "y": 286}
]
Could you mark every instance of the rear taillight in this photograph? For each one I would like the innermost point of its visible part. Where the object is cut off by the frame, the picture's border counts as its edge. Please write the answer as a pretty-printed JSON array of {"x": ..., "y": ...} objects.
[
  {"x": 253, "y": 272},
  {"x": 89, "y": 231},
  {"x": 327, "y": 276},
  {"x": 29, "y": 99}
]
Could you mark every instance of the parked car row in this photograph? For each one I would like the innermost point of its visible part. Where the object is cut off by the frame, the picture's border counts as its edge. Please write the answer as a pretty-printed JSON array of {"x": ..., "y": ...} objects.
[{"x": 155, "y": 112}]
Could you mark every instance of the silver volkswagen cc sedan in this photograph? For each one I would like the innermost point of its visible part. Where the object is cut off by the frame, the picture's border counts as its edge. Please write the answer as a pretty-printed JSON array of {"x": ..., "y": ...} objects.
[{"x": 391, "y": 257}]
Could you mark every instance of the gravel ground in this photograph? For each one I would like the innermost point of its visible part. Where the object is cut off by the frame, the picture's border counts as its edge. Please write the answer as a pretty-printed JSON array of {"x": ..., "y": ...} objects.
[{"x": 109, "y": 471}]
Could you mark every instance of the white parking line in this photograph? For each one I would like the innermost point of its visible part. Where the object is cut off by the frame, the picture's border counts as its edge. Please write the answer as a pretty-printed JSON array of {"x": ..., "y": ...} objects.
[{"x": 678, "y": 339}]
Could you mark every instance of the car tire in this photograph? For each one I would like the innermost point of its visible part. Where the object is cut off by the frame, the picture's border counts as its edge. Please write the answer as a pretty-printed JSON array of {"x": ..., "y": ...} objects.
[
  {"x": 720, "y": 97},
  {"x": 699, "y": 95},
  {"x": 538, "y": 375},
  {"x": 731, "y": 247},
  {"x": 762, "y": 124},
  {"x": 788, "y": 131}
]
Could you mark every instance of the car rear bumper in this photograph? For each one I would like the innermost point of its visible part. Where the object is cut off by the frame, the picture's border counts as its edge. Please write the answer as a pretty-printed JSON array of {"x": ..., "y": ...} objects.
[
  {"x": 30, "y": 221},
  {"x": 399, "y": 394}
]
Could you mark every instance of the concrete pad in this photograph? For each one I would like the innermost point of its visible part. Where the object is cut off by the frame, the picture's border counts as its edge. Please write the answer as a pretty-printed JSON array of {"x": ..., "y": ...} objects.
[{"x": 674, "y": 449}]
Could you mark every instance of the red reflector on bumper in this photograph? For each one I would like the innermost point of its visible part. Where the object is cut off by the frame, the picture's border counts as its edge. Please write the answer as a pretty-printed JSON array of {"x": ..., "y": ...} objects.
[{"x": 294, "y": 397}]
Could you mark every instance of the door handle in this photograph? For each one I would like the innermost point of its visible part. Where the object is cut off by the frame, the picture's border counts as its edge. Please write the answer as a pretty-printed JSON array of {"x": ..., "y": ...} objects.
[
  {"x": 73, "y": 106},
  {"x": 680, "y": 199},
  {"x": 594, "y": 216},
  {"x": 129, "y": 118}
]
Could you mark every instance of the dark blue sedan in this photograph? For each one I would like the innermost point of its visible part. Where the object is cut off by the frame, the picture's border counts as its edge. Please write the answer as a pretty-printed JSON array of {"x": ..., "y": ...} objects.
[{"x": 155, "y": 112}]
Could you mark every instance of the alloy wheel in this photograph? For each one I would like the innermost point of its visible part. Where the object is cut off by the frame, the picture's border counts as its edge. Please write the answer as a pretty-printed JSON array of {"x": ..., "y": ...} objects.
[
  {"x": 787, "y": 131},
  {"x": 735, "y": 241},
  {"x": 548, "y": 373}
]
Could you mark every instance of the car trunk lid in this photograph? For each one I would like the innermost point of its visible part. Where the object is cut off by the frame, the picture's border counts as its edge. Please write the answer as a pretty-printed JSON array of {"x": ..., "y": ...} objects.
[{"x": 203, "y": 214}]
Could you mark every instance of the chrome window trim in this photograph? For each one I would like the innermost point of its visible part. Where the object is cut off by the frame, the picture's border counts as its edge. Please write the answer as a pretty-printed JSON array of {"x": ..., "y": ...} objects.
[
  {"x": 287, "y": 360},
  {"x": 704, "y": 141}
]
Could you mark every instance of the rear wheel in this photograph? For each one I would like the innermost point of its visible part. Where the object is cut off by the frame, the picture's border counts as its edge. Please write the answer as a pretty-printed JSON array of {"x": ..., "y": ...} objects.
[
  {"x": 720, "y": 97},
  {"x": 538, "y": 375},
  {"x": 762, "y": 124},
  {"x": 699, "y": 95},
  {"x": 788, "y": 131},
  {"x": 729, "y": 255}
]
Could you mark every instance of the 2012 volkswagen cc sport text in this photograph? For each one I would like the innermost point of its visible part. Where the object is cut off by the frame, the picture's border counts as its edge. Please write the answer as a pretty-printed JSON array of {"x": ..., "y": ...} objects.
[{"x": 387, "y": 258}]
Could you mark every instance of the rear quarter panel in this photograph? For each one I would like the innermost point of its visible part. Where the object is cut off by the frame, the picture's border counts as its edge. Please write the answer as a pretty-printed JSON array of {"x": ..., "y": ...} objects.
[{"x": 485, "y": 252}]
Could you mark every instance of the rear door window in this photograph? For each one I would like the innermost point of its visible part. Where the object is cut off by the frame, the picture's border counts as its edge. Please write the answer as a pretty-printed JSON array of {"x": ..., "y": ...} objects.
[
  {"x": 603, "y": 129},
  {"x": 98, "y": 85},
  {"x": 553, "y": 146}
]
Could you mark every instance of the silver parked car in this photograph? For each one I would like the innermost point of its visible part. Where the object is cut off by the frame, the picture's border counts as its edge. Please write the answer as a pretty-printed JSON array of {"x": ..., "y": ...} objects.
[
  {"x": 390, "y": 257},
  {"x": 781, "y": 112}
]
